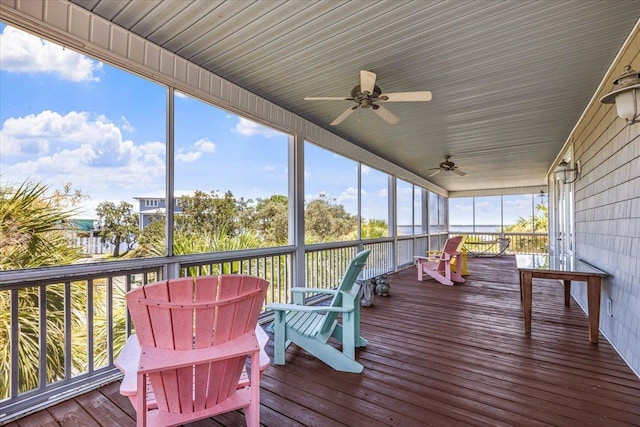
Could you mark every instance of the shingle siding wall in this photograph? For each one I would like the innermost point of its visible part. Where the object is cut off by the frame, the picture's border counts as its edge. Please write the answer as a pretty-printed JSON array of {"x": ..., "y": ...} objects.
[{"x": 607, "y": 212}]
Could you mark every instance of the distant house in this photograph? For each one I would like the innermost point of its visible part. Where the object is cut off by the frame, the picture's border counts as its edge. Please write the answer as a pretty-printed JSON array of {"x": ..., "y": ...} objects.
[
  {"x": 85, "y": 226},
  {"x": 152, "y": 205},
  {"x": 86, "y": 233}
]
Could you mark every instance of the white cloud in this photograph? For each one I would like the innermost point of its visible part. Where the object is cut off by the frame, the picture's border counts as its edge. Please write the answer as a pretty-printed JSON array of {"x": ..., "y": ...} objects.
[
  {"x": 125, "y": 124},
  {"x": 365, "y": 169},
  {"x": 50, "y": 131},
  {"x": 21, "y": 52},
  {"x": 195, "y": 151},
  {"x": 248, "y": 128},
  {"x": 87, "y": 151},
  {"x": 205, "y": 145},
  {"x": 188, "y": 157},
  {"x": 348, "y": 195},
  {"x": 382, "y": 192}
]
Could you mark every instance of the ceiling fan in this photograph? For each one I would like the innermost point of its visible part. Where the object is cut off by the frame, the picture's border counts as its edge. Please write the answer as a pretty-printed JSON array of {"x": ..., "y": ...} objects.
[
  {"x": 447, "y": 166},
  {"x": 367, "y": 95}
]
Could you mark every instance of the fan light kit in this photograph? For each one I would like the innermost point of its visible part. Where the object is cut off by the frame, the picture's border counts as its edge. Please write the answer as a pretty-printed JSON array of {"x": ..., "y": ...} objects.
[{"x": 367, "y": 94}]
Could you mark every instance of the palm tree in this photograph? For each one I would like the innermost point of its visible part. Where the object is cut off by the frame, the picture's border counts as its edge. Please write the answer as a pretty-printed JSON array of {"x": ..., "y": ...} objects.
[
  {"x": 32, "y": 228},
  {"x": 32, "y": 234}
]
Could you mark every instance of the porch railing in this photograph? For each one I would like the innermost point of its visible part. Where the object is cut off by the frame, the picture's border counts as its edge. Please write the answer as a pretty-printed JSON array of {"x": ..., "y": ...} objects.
[
  {"x": 66, "y": 325},
  {"x": 521, "y": 243}
]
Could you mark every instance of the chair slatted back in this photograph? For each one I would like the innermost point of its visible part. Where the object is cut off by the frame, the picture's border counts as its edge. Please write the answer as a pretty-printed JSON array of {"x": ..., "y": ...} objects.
[
  {"x": 195, "y": 313},
  {"x": 451, "y": 248},
  {"x": 346, "y": 284}
]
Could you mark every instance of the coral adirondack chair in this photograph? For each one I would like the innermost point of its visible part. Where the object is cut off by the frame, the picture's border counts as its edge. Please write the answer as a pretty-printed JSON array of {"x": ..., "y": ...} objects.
[
  {"x": 455, "y": 260},
  {"x": 187, "y": 359},
  {"x": 439, "y": 267},
  {"x": 311, "y": 327}
]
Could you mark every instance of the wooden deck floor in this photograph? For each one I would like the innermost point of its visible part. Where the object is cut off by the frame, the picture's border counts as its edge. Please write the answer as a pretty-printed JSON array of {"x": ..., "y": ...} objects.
[{"x": 437, "y": 355}]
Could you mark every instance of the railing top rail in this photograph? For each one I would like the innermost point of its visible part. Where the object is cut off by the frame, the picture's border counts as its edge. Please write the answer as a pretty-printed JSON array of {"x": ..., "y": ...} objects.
[
  {"x": 78, "y": 271},
  {"x": 227, "y": 256},
  {"x": 54, "y": 274},
  {"x": 506, "y": 233}
]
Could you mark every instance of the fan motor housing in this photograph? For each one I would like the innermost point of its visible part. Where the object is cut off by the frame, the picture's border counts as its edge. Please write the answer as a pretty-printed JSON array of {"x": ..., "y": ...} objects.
[
  {"x": 358, "y": 95},
  {"x": 447, "y": 164}
]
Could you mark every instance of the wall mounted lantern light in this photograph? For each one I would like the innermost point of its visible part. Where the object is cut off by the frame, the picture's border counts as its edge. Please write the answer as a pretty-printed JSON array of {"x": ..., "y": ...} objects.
[
  {"x": 565, "y": 170},
  {"x": 626, "y": 91}
]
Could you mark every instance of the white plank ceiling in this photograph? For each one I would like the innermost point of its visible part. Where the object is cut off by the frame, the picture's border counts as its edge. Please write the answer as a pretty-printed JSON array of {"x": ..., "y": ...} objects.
[{"x": 509, "y": 78}]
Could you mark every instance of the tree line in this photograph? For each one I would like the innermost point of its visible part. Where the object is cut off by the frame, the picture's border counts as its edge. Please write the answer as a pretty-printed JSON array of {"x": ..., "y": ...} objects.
[{"x": 209, "y": 222}]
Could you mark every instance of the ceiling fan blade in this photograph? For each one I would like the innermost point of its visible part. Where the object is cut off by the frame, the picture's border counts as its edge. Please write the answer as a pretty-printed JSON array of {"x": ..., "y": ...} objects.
[
  {"x": 458, "y": 172},
  {"x": 367, "y": 81},
  {"x": 327, "y": 98},
  {"x": 436, "y": 172},
  {"x": 344, "y": 115},
  {"x": 385, "y": 114},
  {"x": 405, "y": 96}
]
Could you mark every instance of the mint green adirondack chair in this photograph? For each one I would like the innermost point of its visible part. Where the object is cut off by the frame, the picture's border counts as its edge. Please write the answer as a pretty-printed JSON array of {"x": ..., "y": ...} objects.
[{"x": 311, "y": 327}]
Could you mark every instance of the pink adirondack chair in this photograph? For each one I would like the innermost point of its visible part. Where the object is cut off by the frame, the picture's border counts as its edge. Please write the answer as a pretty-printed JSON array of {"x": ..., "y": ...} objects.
[
  {"x": 187, "y": 359},
  {"x": 439, "y": 267}
]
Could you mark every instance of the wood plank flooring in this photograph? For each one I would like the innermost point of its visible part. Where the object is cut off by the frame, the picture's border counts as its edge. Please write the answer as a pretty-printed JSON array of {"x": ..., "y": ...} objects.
[{"x": 437, "y": 356}]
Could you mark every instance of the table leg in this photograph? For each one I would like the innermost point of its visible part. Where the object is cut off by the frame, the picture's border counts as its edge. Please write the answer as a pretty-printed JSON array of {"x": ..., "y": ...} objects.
[
  {"x": 593, "y": 301},
  {"x": 567, "y": 292},
  {"x": 521, "y": 273},
  {"x": 527, "y": 278}
]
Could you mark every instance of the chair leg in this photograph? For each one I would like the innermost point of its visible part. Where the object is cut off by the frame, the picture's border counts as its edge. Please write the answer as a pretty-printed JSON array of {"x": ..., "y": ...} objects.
[
  {"x": 252, "y": 412},
  {"x": 141, "y": 401},
  {"x": 279, "y": 338}
]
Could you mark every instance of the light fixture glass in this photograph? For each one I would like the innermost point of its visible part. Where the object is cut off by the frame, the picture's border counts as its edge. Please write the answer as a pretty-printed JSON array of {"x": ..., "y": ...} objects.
[
  {"x": 627, "y": 105},
  {"x": 625, "y": 95},
  {"x": 564, "y": 169}
]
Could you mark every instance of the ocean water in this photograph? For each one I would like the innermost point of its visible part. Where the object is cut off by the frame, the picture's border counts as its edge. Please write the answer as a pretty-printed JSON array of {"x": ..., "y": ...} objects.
[
  {"x": 406, "y": 230},
  {"x": 478, "y": 229}
]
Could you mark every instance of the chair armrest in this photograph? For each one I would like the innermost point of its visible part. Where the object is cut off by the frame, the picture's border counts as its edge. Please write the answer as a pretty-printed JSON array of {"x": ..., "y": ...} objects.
[
  {"x": 421, "y": 259},
  {"x": 304, "y": 308},
  {"x": 263, "y": 338},
  {"x": 316, "y": 290},
  {"x": 127, "y": 362}
]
